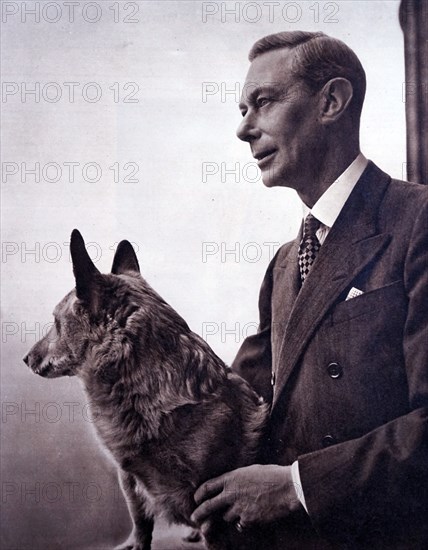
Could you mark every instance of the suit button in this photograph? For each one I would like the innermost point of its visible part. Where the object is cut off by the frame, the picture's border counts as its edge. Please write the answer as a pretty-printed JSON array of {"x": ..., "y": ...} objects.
[
  {"x": 273, "y": 379},
  {"x": 328, "y": 440},
  {"x": 335, "y": 370}
]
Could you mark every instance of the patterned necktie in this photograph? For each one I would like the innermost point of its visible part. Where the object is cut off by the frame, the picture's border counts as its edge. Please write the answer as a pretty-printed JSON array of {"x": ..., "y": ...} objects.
[{"x": 309, "y": 245}]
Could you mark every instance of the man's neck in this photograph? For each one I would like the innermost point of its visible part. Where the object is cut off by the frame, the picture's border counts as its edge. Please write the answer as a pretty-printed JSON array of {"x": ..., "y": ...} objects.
[{"x": 329, "y": 171}]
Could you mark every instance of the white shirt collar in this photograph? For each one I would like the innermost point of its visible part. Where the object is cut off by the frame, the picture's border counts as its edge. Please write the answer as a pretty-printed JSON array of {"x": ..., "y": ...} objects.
[{"x": 329, "y": 205}]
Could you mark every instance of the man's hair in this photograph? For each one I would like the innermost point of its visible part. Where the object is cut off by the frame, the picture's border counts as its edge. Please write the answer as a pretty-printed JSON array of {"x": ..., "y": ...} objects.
[{"x": 317, "y": 59}]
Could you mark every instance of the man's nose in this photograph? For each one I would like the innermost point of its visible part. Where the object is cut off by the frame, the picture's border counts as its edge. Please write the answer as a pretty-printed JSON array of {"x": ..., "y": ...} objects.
[
  {"x": 247, "y": 131},
  {"x": 26, "y": 359}
]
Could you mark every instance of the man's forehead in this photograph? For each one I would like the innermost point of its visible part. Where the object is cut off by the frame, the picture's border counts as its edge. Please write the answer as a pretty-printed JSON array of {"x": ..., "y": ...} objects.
[
  {"x": 270, "y": 71},
  {"x": 273, "y": 65}
]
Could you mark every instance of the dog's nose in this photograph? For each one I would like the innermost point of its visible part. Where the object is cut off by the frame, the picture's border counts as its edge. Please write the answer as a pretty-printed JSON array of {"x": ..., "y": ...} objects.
[{"x": 26, "y": 359}]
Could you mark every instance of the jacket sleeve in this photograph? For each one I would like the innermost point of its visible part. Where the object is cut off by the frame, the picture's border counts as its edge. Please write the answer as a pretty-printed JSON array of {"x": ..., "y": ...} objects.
[
  {"x": 379, "y": 482},
  {"x": 254, "y": 359}
]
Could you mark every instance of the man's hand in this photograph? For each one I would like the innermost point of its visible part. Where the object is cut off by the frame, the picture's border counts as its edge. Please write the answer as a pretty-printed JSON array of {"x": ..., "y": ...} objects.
[{"x": 254, "y": 494}]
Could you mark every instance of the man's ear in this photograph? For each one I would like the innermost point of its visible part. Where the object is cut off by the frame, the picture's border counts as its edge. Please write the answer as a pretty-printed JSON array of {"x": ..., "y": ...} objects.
[
  {"x": 125, "y": 259},
  {"x": 86, "y": 274},
  {"x": 336, "y": 95}
]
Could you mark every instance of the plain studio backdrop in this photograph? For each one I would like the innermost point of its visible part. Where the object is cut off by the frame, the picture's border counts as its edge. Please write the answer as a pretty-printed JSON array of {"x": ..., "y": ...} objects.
[{"x": 119, "y": 119}]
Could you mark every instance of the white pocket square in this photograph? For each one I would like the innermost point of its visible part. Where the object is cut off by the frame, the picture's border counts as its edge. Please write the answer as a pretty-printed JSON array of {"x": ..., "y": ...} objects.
[{"x": 353, "y": 293}]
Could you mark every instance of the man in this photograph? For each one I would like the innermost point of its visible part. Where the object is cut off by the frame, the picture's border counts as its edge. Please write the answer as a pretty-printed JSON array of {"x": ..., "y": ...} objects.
[{"x": 343, "y": 333}]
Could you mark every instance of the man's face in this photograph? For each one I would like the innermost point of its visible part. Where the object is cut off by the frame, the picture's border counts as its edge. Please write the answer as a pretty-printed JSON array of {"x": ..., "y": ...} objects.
[{"x": 281, "y": 122}]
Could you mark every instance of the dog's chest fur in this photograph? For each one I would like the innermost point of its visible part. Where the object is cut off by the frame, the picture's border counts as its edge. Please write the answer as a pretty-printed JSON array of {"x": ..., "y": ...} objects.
[{"x": 139, "y": 444}]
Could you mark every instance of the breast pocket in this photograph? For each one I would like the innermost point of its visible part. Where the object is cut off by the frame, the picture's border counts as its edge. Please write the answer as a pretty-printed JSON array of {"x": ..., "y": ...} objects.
[{"x": 380, "y": 300}]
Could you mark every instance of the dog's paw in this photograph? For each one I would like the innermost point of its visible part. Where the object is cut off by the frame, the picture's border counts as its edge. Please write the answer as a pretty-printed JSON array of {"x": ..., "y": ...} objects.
[
  {"x": 132, "y": 544},
  {"x": 193, "y": 536}
]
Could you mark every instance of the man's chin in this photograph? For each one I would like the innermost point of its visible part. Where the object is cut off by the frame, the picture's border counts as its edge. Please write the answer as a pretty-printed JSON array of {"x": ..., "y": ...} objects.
[
  {"x": 269, "y": 181},
  {"x": 271, "y": 176},
  {"x": 274, "y": 179}
]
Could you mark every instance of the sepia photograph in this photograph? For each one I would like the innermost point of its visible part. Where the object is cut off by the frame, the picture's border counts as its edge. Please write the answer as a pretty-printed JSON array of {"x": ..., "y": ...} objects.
[{"x": 214, "y": 275}]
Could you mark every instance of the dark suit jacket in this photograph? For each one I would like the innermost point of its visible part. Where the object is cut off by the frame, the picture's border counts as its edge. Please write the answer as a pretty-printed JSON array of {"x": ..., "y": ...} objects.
[{"x": 350, "y": 392}]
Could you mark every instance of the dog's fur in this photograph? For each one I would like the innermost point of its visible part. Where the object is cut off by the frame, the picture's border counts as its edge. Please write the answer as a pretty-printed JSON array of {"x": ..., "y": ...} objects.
[{"x": 169, "y": 411}]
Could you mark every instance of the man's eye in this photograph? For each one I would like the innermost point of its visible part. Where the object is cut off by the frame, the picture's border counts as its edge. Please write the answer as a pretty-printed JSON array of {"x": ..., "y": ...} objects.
[{"x": 261, "y": 101}]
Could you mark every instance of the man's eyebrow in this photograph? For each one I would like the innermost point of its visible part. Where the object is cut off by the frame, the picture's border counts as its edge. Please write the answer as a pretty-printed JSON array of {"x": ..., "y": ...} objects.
[{"x": 251, "y": 95}]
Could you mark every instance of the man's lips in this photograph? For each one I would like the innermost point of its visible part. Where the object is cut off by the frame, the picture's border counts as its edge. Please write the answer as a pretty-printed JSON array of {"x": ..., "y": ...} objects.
[{"x": 264, "y": 156}]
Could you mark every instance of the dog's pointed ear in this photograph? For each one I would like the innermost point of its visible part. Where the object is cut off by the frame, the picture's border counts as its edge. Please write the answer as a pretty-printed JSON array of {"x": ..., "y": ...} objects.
[
  {"x": 125, "y": 259},
  {"x": 84, "y": 269}
]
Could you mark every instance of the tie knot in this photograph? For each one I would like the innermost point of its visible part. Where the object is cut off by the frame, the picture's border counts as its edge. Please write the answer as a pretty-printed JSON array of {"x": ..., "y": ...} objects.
[
  {"x": 311, "y": 225},
  {"x": 309, "y": 246}
]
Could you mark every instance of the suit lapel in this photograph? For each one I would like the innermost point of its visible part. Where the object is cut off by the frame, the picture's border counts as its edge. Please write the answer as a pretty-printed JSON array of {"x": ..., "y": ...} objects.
[
  {"x": 350, "y": 245},
  {"x": 285, "y": 290}
]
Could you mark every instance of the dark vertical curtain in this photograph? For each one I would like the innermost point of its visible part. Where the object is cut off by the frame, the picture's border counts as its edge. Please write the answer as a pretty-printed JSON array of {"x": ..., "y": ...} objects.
[{"x": 414, "y": 22}]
